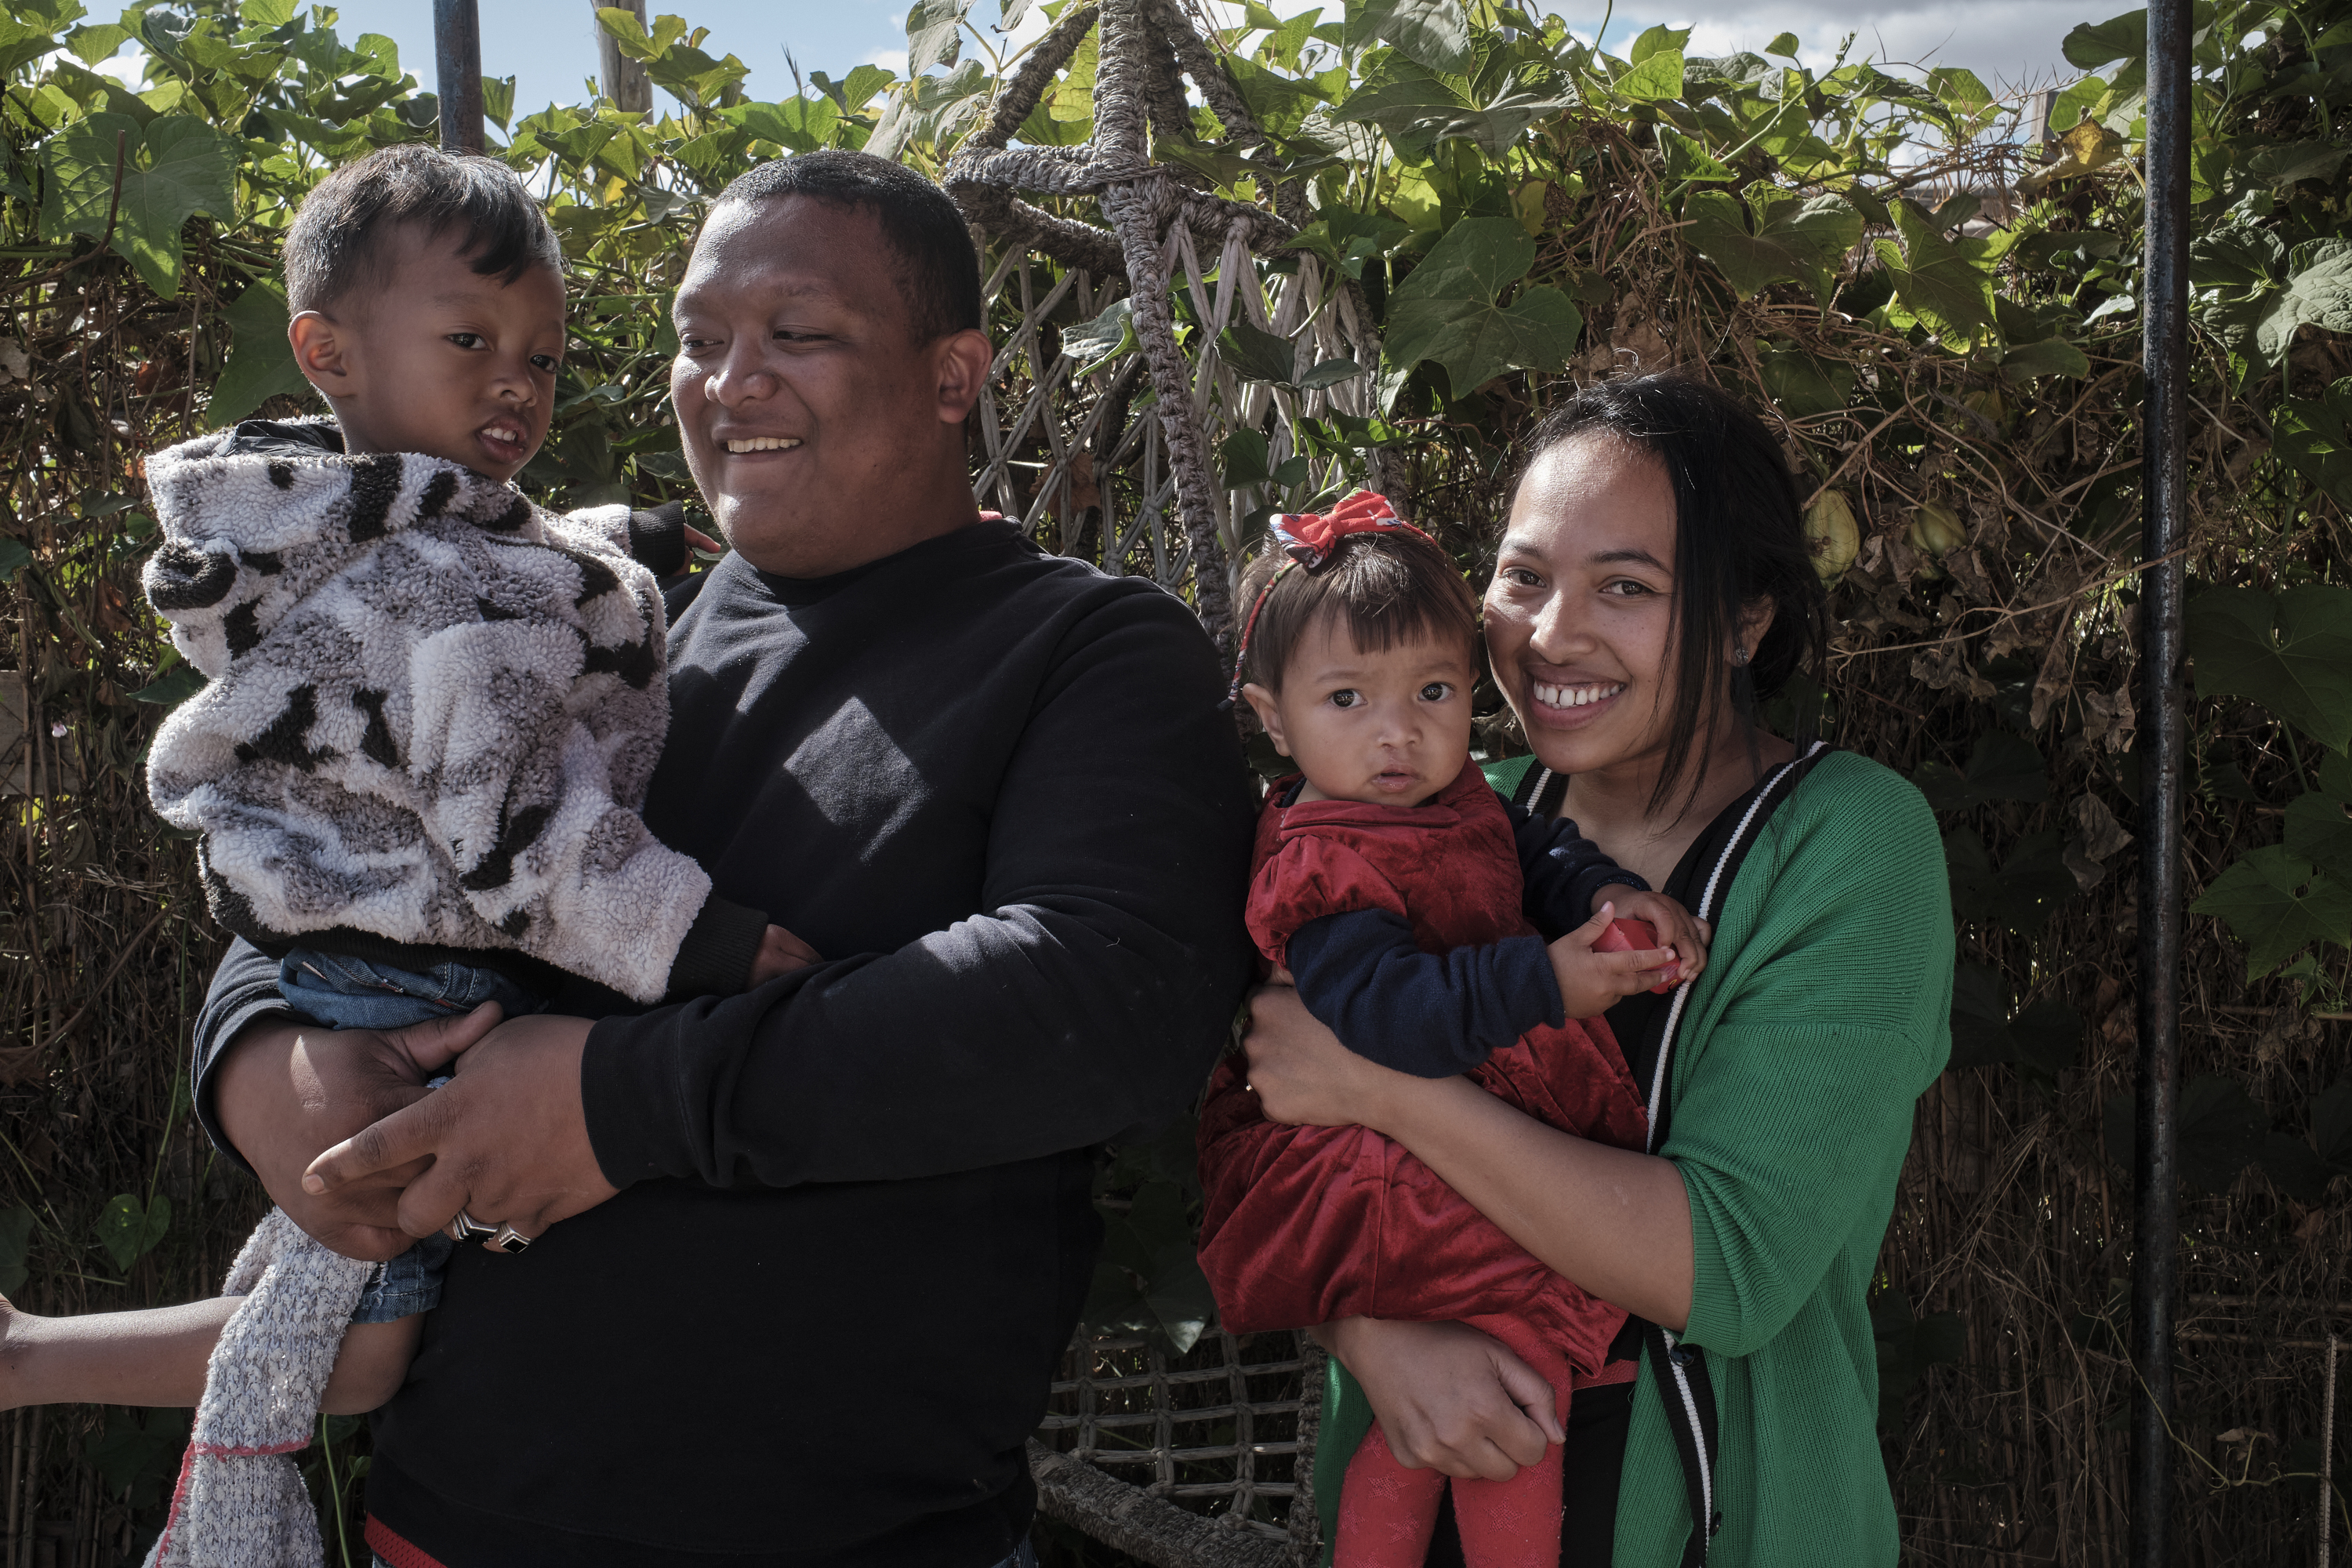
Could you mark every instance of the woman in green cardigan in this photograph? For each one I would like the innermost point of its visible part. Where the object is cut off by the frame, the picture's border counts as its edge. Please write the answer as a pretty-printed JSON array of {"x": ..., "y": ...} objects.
[{"x": 1652, "y": 585}]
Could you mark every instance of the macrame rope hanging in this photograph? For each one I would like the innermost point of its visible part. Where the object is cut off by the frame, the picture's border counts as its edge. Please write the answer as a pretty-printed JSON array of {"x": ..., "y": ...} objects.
[
  {"x": 1202, "y": 1460},
  {"x": 1156, "y": 214}
]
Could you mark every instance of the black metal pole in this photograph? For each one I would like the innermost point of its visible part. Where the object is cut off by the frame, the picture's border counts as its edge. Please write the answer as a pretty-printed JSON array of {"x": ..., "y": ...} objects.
[
  {"x": 457, "y": 67},
  {"x": 2164, "y": 439}
]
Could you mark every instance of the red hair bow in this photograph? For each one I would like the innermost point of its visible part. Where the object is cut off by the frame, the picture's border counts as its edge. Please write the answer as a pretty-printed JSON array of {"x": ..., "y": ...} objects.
[{"x": 1310, "y": 538}]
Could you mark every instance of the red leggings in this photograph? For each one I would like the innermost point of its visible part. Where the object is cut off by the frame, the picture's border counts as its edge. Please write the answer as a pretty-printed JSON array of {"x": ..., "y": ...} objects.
[{"x": 1388, "y": 1513}]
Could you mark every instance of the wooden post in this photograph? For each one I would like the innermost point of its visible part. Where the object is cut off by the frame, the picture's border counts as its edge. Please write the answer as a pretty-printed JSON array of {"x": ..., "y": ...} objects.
[{"x": 623, "y": 80}]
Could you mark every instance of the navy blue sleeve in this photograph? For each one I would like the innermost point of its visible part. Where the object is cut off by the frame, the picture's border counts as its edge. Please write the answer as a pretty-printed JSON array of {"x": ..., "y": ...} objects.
[
  {"x": 1564, "y": 871},
  {"x": 1432, "y": 1014},
  {"x": 244, "y": 991}
]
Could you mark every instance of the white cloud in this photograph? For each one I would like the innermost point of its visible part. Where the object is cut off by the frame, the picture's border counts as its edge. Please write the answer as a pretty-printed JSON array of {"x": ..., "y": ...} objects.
[
  {"x": 2010, "y": 43},
  {"x": 126, "y": 68},
  {"x": 893, "y": 60}
]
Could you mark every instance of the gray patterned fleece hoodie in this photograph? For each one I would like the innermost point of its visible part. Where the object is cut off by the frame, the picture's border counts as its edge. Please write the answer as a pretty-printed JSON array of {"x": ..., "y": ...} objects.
[{"x": 431, "y": 713}]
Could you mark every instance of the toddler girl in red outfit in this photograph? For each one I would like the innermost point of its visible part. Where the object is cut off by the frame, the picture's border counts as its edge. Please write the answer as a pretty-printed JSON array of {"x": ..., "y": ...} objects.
[{"x": 1438, "y": 930}]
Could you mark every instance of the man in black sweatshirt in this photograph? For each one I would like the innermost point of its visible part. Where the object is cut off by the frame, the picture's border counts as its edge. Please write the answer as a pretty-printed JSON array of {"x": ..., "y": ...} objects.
[{"x": 805, "y": 1256}]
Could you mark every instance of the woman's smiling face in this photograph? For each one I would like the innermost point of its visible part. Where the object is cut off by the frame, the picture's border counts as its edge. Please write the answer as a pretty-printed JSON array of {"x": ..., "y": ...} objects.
[{"x": 1579, "y": 615}]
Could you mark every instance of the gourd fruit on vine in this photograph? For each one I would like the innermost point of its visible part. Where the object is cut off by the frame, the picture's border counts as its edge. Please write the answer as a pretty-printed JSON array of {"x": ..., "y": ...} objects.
[
  {"x": 1935, "y": 529},
  {"x": 1831, "y": 532}
]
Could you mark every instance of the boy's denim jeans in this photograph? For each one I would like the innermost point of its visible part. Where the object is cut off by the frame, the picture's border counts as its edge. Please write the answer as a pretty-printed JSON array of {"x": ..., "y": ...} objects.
[{"x": 353, "y": 994}]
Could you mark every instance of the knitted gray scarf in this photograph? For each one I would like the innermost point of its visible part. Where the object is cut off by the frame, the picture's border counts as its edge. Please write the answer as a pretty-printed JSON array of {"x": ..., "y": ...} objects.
[{"x": 240, "y": 1502}]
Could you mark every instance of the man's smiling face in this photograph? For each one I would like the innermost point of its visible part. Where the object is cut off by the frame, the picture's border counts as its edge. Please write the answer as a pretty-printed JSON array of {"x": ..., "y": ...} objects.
[{"x": 822, "y": 432}]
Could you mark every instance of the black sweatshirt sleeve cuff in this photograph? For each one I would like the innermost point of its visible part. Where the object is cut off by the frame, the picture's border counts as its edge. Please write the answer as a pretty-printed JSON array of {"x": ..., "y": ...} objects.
[
  {"x": 716, "y": 956},
  {"x": 657, "y": 538},
  {"x": 629, "y": 1098}
]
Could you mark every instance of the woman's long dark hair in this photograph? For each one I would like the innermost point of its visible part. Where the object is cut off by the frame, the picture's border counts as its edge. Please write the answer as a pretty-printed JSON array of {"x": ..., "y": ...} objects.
[{"x": 1739, "y": 537}]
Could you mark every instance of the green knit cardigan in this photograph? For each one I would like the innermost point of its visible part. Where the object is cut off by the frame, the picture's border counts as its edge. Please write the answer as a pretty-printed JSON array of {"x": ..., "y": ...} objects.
[{"x": 1825, "y": 1013}]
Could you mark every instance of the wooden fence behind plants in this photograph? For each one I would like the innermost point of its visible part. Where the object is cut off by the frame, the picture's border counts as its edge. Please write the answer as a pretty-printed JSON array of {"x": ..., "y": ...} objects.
[{"x": 1519, "y": 214}]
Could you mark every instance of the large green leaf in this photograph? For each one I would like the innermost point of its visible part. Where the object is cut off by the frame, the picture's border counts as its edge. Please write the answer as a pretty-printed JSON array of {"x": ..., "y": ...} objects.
[
  {"x": 169, "y": 689},
  {"x": 2022, "y": 894},
  {"x": 802, "y": 124},
  {"x": 136, "y": 1454},
  {"x": 1434, "y": 33},
  {"x": 22, "y": 43},
  {"x": 1477, "y": 341},
  {"x": 175, "y": 168},
  {"x": 2319, "y": 821},
  {"x": 2275, "y": 902},
  {"x": 2218, "y": 1128},
  {"x": 1777, "y": 235},
  {"x": 1411, "y": 107},
  {"x": 1803, "y": 384},
  {"x": 2044, "y": 1040},
  {"x": 1688, "y": 161},
  {"x": 2290, "y": 652},
  {"x": 128, "y": 1229},
  {"x": 2003, "y": 765},
  {"x": 2286, "y": 164},
  {"x": 2318, "y": 293},
  {"x": 1946, "y": 283},
  {"x": 260, "y": 361},
  {"x": 934, "y": 34},
  {"x": 2051, "y": 356},
  {"x": 1907, "y": 1347},
  {"x": 1257, "y": 353},
  {"x": 2122, "y": 38},
  {"x": 1447, "y": 310},
  {"x": 1148, "y": 1280},
  {"x": 1477, "y": 258},
  {"x": 2315, "y": 434},
  {"x": 1655, "y": 80}
]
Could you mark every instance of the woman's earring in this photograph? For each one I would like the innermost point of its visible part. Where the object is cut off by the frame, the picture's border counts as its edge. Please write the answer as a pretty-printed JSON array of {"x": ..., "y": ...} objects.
[{"x": 1739, "y": 655}]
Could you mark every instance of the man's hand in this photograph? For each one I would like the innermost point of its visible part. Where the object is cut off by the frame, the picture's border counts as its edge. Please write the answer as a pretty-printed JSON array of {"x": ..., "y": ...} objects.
[
  {"x": 508, "y": 1138},
  {"x": 1449, "y": 1397},
  {"x": 285, "y": 1091}
]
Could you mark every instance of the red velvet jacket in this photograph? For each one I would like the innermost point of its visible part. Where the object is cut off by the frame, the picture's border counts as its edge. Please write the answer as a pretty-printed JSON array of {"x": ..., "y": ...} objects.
[{"x": 1306, "y": 1225}]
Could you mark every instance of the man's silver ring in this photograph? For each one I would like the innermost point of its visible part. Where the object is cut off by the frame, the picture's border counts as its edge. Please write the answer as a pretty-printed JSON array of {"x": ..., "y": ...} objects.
[
  {"x": 466, "y": 1227},
  {"x": 508, "y": 1240}
]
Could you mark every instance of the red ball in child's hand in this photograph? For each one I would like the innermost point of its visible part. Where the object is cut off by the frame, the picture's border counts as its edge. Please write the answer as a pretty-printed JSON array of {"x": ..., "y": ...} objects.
[{"x": 1631, "y": 936}]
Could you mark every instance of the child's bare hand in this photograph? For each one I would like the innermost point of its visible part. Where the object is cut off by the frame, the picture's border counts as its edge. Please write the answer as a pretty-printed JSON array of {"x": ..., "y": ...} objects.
[
  {"x": 780, "y": 953},
  {"x": 1676, "y": 927},
  {"x": 1590, "y": 982}
]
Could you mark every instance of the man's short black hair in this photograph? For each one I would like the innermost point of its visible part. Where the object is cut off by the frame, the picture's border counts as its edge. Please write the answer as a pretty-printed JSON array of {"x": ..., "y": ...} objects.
[
  {"x": 341, "y": 237},
  {"x": 938, "y": 271}
]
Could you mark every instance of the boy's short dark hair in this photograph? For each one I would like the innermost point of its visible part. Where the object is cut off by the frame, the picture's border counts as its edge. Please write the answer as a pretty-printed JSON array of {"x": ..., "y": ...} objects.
[
  {"x": 1387, "y": 588},
  {"x": 938, "y": 271},
  {"x": 338, "y": 241}
]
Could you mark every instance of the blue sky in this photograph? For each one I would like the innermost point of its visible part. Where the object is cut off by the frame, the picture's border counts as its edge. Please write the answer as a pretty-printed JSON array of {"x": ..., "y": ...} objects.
[{"x": 549, "y": 46}]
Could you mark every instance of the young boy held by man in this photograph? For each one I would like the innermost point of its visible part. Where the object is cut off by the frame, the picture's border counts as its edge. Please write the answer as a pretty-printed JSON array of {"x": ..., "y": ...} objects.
[{"x": 431, "y": 713}]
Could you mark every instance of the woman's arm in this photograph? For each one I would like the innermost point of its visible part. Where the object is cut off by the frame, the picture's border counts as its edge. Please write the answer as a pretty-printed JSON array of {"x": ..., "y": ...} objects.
[
  {"x": 1616, "y": 1222},
  {"x": 1449, "y": 1398}
]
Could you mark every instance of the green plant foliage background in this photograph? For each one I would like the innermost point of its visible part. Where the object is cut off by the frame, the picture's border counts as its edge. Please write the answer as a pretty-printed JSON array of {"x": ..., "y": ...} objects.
[{"x": 1940, "y": 317}]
